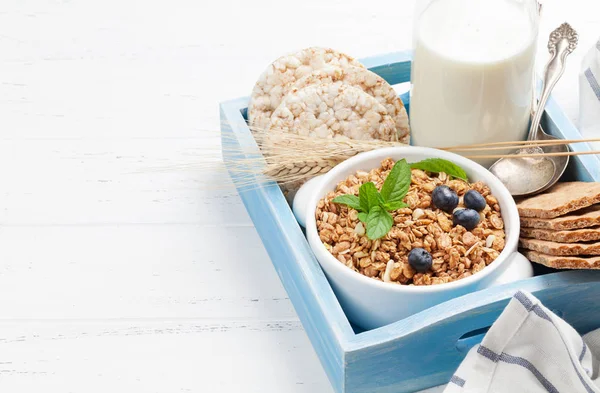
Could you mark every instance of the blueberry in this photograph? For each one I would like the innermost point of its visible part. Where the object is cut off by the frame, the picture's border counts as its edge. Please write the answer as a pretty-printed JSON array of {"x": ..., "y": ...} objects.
[
  {"x": 420, "y": 260},
  {"x": 444, "y": 198},
  {"x": 474, "y": 200},
  {"x": 468, "y": 218}
]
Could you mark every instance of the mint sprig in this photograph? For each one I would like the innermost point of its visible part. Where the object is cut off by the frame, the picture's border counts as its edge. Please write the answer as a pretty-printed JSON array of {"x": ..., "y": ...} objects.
[
  {"x": 437, "y": 165},
  {"x": 373, "y": 206},
  {"x": 349, "y": 200}
]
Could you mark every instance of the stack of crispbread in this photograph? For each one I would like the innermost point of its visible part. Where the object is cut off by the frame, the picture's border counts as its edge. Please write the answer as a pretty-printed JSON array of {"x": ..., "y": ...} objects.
[{"x": 561, "y": 228}]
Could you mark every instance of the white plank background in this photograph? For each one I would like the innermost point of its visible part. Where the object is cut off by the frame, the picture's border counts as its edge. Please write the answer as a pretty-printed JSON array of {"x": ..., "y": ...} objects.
[{"x": 116, "y": 277}]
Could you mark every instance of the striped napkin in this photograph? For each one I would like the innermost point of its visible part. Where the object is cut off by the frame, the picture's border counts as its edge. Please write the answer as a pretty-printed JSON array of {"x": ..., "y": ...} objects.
[
  {"x": 589, "y": 95},
  {"x": 530, "y": 349}
]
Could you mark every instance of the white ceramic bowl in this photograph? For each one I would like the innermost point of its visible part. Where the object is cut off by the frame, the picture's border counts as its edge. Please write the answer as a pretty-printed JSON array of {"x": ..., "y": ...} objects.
[{"x": 370, "y": 303}]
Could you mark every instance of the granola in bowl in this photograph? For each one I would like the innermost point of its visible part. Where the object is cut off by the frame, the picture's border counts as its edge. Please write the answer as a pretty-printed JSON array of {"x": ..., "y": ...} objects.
[{"x": 445, "y": 229}]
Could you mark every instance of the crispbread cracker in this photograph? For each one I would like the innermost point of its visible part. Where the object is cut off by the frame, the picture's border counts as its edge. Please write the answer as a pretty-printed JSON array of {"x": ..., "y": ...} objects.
[
  {"x": 583, "y": 218},
  {"x": 277, "y": 80},
  {"x": 560, "y": 199},
  {"x": 336, "y": 109},
  {"x": 563, "y": 262},
  {"x": 572, "y": 236},
  {"x": 554, "y": 248},
  {"x": 370, "y": 83}
]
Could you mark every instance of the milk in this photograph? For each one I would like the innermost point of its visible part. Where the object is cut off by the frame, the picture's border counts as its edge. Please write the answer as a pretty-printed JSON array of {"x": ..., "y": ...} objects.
[
  {"x": 589, "y": 95},
  {"x": 472, "y": 73}
]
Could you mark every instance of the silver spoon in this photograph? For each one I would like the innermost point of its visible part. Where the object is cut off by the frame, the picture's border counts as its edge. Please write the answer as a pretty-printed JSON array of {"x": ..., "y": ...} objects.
[{"x": 531, "y": 175}]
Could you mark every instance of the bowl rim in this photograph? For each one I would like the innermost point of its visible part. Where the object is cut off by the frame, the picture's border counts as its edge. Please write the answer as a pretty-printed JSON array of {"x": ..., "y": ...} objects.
[{"x": 349, "y": 166}]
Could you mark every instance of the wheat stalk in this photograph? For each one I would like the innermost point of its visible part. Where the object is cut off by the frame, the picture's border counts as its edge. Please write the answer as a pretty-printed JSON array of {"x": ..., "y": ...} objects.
[
  {"x": 291, "y": 158},
  {"x": 518, "y": 144}
]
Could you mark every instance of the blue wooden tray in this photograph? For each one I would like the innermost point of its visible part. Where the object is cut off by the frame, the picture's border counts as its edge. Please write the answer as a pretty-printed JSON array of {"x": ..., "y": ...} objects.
[{"x": 426, "y": 348}]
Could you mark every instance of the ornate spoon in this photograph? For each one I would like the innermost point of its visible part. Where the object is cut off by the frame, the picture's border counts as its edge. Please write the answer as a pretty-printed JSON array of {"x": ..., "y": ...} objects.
[{"x": 527, "y": 176}]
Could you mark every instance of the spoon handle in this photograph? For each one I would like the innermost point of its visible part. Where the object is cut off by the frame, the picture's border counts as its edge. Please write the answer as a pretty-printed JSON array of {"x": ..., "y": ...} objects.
[{"x": 562, "y": 42}]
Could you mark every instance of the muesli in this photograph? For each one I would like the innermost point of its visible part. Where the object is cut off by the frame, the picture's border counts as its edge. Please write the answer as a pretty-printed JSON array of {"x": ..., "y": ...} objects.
[{"x": 405, "y": 225}]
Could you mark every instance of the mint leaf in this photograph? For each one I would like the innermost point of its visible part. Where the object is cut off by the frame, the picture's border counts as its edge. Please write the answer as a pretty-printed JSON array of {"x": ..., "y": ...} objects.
[
  {"x": 373, "y": 206},
  {"x": 397, "y": 183},
  {"x": 349, "y": 200},
  {"x": 379, "y": 223},
  {"x": 437, "y": 165},
  {"x": 369, "y": 196},
  {"x": 391, "y": 206}
]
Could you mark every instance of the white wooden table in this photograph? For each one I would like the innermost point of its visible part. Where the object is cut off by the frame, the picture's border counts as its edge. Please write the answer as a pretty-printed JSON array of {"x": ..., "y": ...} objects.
[{"x": 115, "y": 276}]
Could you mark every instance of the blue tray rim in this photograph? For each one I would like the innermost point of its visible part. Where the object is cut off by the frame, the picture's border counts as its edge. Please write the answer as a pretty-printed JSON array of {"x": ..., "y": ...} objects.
[
  {"x": 349, "y": 343},
  {"x": 409, "y": 324}
]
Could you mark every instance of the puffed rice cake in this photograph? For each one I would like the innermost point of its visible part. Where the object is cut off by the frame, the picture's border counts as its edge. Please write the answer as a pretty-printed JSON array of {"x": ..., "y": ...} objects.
[
  {"x": 370, "y": 83},
  {"x": 327, "y": 110},
  {"x": 277, "y": 80}
]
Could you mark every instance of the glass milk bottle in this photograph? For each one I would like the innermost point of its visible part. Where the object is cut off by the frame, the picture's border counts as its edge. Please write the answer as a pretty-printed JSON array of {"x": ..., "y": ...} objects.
[
  {"x": 472, "y": 71},
  {"x": 589, "y": 95}
]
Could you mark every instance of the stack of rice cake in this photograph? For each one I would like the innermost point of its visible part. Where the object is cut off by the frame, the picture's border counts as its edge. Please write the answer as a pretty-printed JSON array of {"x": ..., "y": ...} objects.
[
  {"x": 323, "y": 93},
  {"x": 561, "y": 228},
  {"x": 320, "y": 92}
]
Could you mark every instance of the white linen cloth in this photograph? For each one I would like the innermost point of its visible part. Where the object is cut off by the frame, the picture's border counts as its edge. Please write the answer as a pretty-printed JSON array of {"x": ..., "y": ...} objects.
[
  {"x": 589, "y": 95},
  {"x": 529, "y": 349}
]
